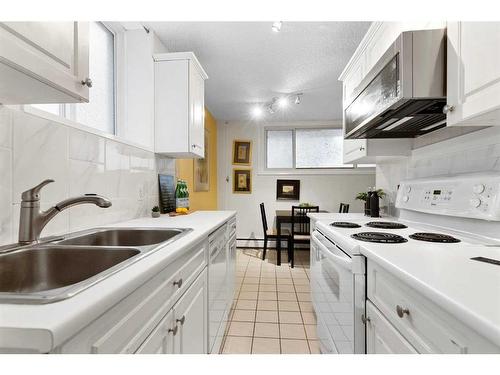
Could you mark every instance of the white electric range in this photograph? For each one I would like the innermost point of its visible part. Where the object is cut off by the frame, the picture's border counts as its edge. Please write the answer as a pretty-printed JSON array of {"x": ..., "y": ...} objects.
[{"x": 447, "y": 220}]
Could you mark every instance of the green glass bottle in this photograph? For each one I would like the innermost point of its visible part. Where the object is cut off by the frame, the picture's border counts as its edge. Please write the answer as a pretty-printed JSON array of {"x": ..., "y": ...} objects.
[
  {"x": 178, "y": 194},
  {"x": 186, "y": 195}
]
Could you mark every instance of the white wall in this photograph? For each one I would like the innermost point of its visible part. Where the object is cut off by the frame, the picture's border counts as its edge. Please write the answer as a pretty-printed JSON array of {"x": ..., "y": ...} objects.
[
  {"x": 325, "y": 190},
  {"x": 33, "y": 149},
  {"x": 450, "y": 151}
]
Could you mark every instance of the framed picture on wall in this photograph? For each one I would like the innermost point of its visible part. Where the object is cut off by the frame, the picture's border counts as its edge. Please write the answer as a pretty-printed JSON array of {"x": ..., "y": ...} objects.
[
  {"x": 288, "y": 190},
  {"x": 201, "y": 168},
  {"x": 242, "y": 181},
  {"x": 242, "y": 152}
]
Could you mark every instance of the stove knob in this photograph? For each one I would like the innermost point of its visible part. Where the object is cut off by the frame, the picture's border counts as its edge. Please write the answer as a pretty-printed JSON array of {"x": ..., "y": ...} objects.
[
  {"x": 408, "y": 189},
  {"x": 406, "y": 198},
  {"x": 478, "y": 189},
  {"x": 475, "y": 202}
]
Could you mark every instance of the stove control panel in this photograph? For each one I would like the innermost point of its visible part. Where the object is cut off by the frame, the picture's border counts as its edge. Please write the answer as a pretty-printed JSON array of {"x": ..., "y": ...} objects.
[{"x": 472, "y": 195}]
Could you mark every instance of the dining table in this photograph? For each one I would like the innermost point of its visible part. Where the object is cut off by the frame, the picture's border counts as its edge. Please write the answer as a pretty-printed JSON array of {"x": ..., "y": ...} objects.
[{"x": 283, "y": 217}]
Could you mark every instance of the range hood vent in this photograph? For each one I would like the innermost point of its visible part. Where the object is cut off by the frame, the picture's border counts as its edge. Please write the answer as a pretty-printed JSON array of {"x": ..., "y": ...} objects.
[{"x": 404, "y": 94}]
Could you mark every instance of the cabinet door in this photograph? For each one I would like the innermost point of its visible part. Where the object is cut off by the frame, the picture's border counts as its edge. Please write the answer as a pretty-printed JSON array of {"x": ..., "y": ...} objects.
[
  {"x": 196, "y": 112},
  {"x": 473, "y": 83},
  {"x": 382, "y": 337},
  {"x": 354, "y": 149},
  {"x": 161, "y": 340},
  {"x": 44, "y": 62},
  {"x": 190, "y": 314}
]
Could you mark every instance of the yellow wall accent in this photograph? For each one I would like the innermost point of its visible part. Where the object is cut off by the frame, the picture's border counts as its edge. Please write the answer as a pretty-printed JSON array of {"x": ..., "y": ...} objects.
[{"x": 203, "y": 200}]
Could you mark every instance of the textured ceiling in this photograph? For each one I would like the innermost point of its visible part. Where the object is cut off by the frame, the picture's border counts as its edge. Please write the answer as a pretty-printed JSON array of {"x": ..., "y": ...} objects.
[{"x": 248, "y": 63}]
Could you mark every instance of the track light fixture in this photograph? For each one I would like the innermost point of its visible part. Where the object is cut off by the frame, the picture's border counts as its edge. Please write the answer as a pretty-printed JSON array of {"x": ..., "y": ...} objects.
[{"x": 276, "y": 104}]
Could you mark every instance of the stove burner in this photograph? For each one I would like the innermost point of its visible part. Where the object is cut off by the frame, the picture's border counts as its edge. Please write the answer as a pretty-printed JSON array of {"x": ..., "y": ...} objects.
[
  {"x": 434, "y": 237},
  {"x": 385, "y": 225},
  {"x": 379, "y": 237},
  {"x": 345, "y": 224}
]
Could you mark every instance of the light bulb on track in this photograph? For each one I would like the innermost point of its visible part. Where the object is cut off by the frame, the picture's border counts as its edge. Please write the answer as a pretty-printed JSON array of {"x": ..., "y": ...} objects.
[
  {"x": 283, "y": 102},
  {"x": 257, "y": 112},
  {"x": 277, "y": 26}
]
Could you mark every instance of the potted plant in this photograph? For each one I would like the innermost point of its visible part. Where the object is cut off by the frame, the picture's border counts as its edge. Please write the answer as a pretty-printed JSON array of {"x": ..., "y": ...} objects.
[
  {"x": 363, "y": 196},
  {"x": 155, "y": 211}
]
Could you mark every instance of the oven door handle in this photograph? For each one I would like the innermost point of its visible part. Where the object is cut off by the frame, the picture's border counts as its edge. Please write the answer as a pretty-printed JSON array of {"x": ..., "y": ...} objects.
[{"x": 341, "y": 261}]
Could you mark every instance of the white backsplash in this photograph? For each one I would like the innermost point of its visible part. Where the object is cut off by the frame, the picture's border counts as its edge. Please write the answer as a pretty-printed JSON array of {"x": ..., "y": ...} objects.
[
  {"x": 477, "y": 151},
  {"x": 33, "y": 149}
]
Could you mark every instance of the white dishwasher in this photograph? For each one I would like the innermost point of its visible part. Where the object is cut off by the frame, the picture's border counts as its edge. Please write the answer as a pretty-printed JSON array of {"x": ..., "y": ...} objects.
[{"x": 218, "y": 287}]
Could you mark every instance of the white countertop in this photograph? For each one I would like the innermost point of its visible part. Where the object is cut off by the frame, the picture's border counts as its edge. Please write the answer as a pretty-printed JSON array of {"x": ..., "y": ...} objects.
[
  {"x": 41, "y": 328},
  {"x": 444, "y": 273}
]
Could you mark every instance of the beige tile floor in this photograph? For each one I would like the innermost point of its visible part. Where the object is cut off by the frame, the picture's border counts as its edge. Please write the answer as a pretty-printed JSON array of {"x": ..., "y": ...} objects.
[{"x": 272, "y": 311}]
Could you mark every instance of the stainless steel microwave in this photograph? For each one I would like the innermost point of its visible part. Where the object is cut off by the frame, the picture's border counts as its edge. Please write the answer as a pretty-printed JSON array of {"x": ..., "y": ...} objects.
[{"x": 403, "y": 95}]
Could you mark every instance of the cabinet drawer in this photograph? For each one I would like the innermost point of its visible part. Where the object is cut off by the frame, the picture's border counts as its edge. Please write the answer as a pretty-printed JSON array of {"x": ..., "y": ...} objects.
[
  {"x": 192, "y": 268},
  {"x": 425, "y": 325},
  {"x": 382, "y": 337}
]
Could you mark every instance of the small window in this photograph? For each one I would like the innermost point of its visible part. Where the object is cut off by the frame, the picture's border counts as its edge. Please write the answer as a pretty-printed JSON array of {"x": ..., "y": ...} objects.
[
  {"x": 280, "y": 149},
  {"x": 304, "y": 148},
  {"x": 99, "y": 112},
  {"x": 318, "y": 148}
]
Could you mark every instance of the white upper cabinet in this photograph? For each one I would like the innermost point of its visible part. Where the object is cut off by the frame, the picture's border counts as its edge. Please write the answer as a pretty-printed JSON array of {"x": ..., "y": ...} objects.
[
  {"x": 369, "y": 151},
  {"x": 44, "y": 62},
  {"x": 473, "y": 71},
  {"x": 179, "y": 105}
]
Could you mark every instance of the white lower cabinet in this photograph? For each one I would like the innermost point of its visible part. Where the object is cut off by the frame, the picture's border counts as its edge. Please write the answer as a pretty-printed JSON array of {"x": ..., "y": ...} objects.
[
  {"x": 382, "y": 337},
  {"x": 400, "y": 318},
  {"x": 169, "y": 313},
  {"x": 190, "y": 319},
  {"x": 184, "y": 329},
  {"x": 161, "y": 340}
]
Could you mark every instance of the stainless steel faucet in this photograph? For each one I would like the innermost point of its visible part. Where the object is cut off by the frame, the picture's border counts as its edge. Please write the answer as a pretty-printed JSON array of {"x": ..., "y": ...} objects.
[{"x": 33, "y": 220}]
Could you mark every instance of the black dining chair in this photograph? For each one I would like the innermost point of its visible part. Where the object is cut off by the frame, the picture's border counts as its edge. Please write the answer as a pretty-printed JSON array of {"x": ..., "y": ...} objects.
[
  {"x": 344, "y": 208},
  {"x": 301, "y": 227},
  {"x": 270, "y": 234}
]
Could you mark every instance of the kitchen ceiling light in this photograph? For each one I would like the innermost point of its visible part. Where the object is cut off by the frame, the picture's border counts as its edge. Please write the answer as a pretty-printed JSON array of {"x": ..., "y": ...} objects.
[
  {"x": 283, "y": 102},
  {"x": 277, "y": 26},
  {"x": 275, "y": 104},
  {"x": 257, "y": 112}
]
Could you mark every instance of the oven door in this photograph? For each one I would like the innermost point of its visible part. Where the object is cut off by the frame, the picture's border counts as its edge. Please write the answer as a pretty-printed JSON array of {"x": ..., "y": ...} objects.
[{"x": 333, "y": 291}]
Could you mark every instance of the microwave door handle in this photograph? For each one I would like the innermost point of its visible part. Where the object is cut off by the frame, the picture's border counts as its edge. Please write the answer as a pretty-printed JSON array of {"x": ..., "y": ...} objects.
[{"x": 334, "y": 258}]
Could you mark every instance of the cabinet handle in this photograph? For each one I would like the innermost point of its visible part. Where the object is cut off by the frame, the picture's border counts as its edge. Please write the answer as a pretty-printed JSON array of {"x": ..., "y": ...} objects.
[
  {"x": 195, "y": 146},
  {"x": 402, "y": 311},
  {"x": 361, "y": 148},
  {"x": 181, "y": 320},
  {"x": 365, "y": 319},
  {"x": 174, "y": 330},
  {"x": 87, "y": 82},
  {"x": 448, "y": 108},
  {"x": 178, "y": 283}
]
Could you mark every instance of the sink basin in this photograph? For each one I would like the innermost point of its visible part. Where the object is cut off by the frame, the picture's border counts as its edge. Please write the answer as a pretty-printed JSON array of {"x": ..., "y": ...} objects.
[
  {"x": 123, "y": 237},
  {"x": 59, "y": 269},
  {"x": 51, "y": 267}
]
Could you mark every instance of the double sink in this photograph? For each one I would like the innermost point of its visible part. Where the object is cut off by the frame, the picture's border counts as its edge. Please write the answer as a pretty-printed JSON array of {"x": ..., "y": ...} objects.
[{"x": 59, "y": 269}]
